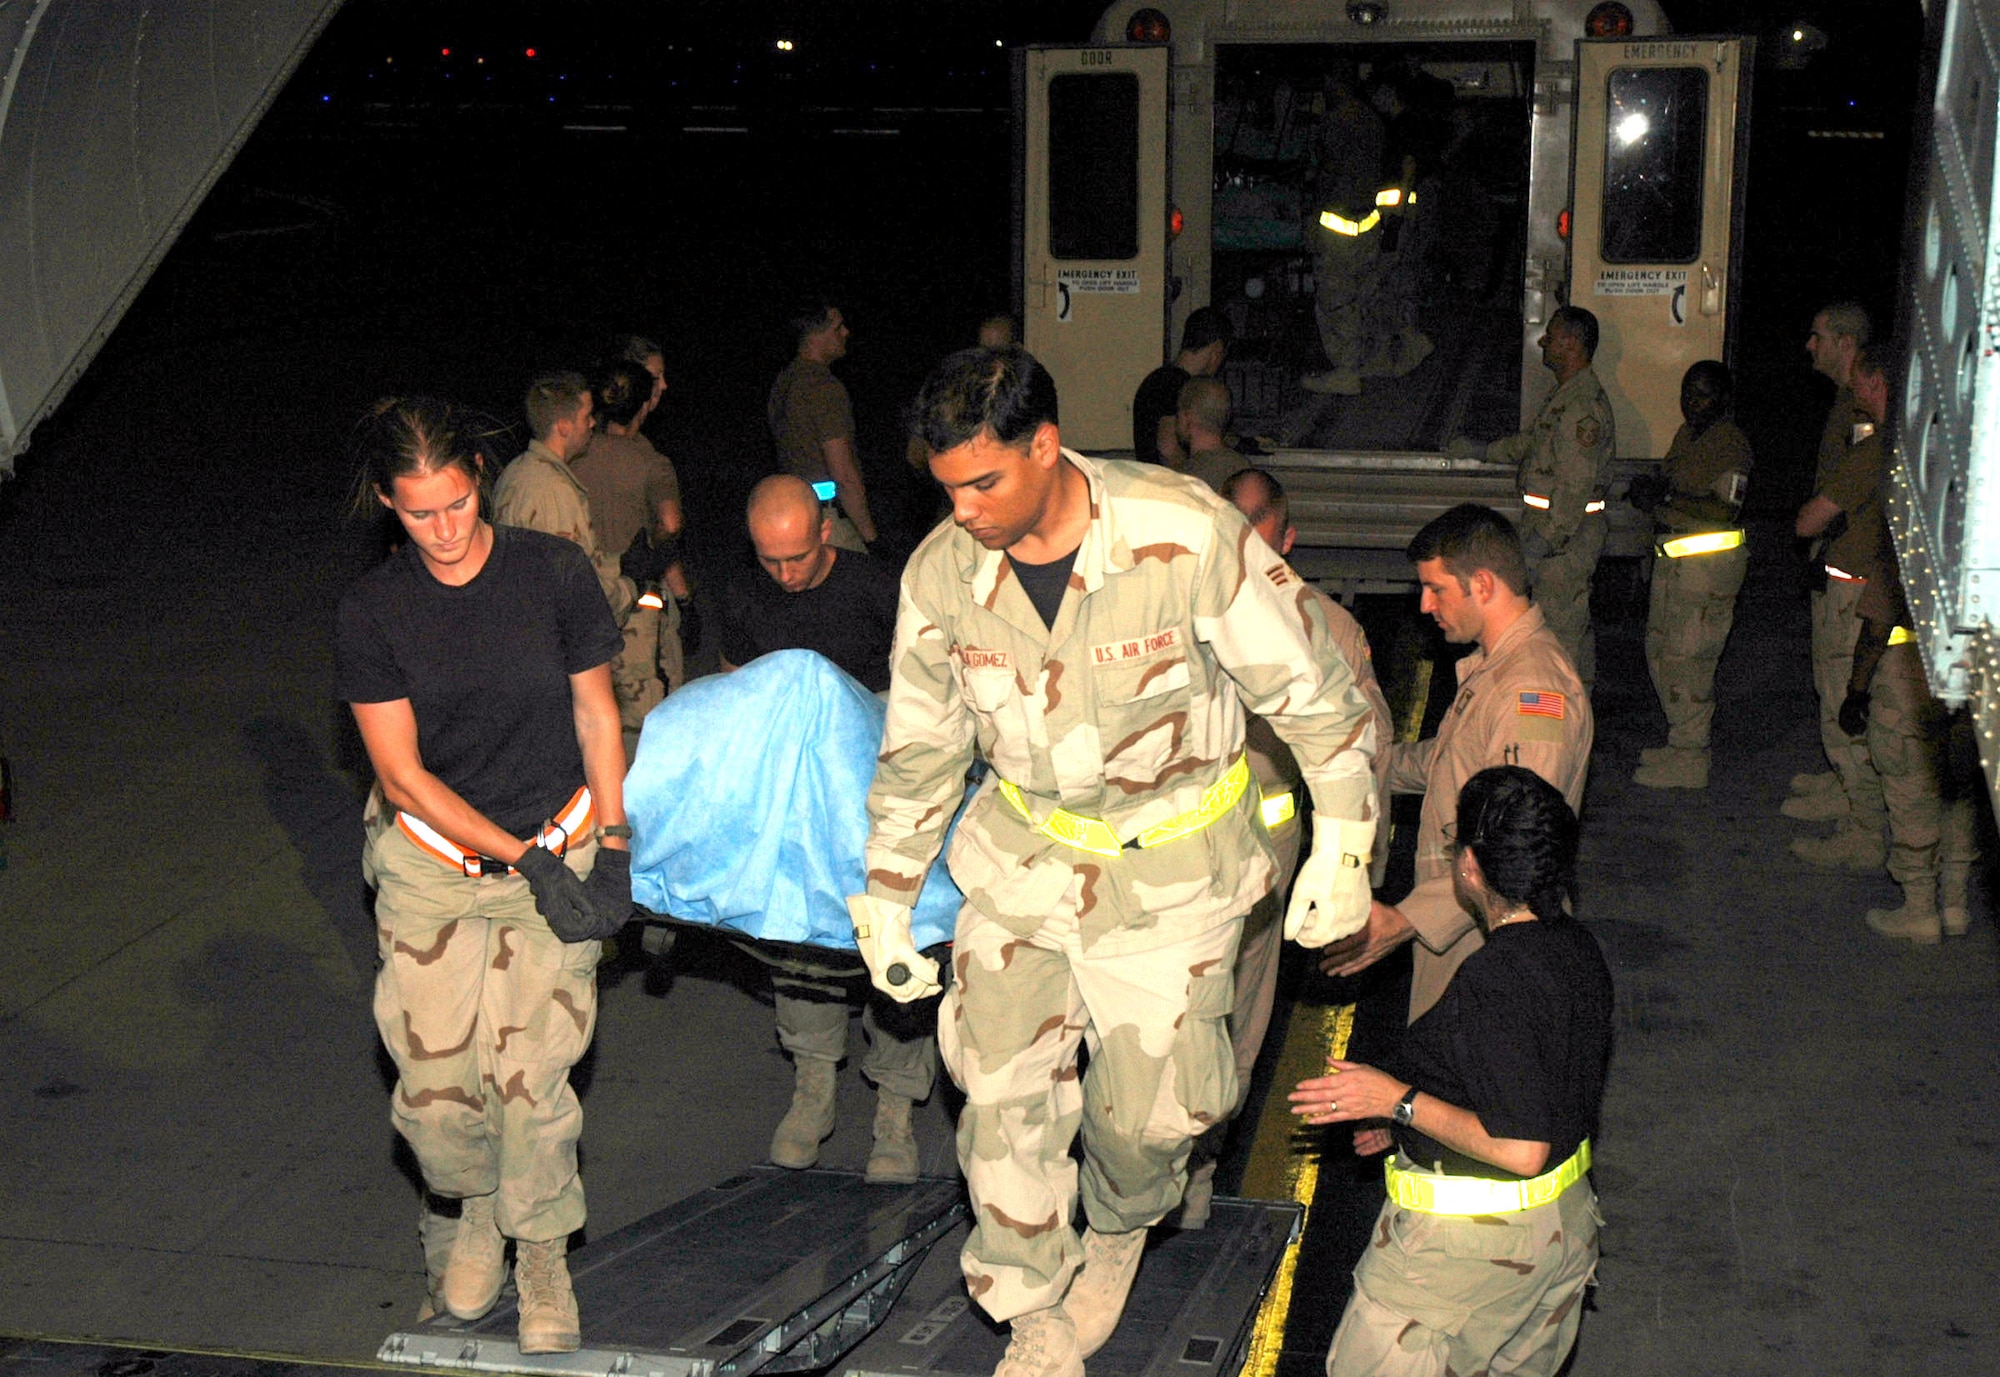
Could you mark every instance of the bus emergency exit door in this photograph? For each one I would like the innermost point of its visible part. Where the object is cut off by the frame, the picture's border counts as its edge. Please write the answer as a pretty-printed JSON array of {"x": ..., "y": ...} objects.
[
  {"x": 1093, "y": 229},
  {"x": 1656, "y": 194}
]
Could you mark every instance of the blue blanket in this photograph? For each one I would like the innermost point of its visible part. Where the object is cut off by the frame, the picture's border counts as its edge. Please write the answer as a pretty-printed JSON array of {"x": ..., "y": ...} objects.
[{"x": 748, "y": 804}]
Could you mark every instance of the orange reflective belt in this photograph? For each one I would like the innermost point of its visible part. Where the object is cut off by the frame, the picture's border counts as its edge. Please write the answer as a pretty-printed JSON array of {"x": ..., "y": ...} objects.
[{"x": 574, "y": 819}]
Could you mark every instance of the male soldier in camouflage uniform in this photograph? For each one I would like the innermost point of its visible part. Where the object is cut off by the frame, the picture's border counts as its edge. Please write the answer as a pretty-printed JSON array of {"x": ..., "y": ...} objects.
[
  {"x": 1096, "y": 630},
  {"x": 1701, "y": 560},
  {"x": 538, "y": 491},
  {"x": 1849, "y": 793},
  {"x": 1519, "y": 703},
  {"x": 1562, "y": 459},
  {"x": 1844, "y": 519},
  {"x": 1346, "y": 225},
  {"x": 1261, "y": 499}
]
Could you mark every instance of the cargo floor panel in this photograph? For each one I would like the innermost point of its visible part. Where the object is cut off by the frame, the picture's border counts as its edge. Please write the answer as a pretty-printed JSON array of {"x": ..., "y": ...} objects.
[
  {"x": 771, "y": 1270},
  {"x": 1190, "y": 1314}
]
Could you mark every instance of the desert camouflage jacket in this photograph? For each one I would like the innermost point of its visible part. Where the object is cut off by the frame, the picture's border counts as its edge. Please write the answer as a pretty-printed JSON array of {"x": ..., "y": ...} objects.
[
  {"x": 537, "y": 491},
  {"x": 1126, "y": 711},
  {"x": 1563, "y": 456}
]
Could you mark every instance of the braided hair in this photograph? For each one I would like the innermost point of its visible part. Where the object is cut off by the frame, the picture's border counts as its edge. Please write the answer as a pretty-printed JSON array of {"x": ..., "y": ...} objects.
[{"x": 1524, "y": 836}]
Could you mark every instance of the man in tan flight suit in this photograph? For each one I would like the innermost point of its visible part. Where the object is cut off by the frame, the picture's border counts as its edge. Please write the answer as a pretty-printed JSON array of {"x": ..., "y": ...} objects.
[
  {"x": 1848, "y": 793},
  {"x": 1095, "y": 630},
  {"x": 1562, "y": 459},
  {"x": 1519, "y": 703},
  {"x": 538, "y": 491},
  {"x": 1697, "y": 572},
  {"x": 1261, "y": 499},
  {"x": 812, "y": 422},
  {"x": 1200, "y": 424}
]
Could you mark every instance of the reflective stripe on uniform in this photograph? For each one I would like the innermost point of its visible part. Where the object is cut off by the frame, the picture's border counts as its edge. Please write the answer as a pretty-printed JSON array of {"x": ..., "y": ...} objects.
[
  {"x": 1095, "y": 835},
  {"x": 1705, "y": 543},
  {"x": 652, "y": 600},
  {"x": 1901, "y": 635},
  {"x": 1541, "y": 504},
  {"x": 1279, "y": 809},
  {"x": 1843, "y": 575},
  {"x": 1353, "y": 229},
  {"x": 1429, "y": 1193},
  {"x": 575, "y": 818}
]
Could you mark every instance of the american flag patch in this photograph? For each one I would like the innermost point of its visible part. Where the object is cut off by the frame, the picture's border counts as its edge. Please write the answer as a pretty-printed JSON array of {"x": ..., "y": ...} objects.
[{"x": 1541, "y": 704}]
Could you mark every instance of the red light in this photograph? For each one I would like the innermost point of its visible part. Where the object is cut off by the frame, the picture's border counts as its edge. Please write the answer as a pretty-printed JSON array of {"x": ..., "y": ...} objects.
[
  {"x": 1176, "y": 222},
  {"x": 1562, "y": 224},
  {"x": 444, "y": 52},
  {"x": 1148, "y": 26},
  {"x": 1609, "y": 20}
]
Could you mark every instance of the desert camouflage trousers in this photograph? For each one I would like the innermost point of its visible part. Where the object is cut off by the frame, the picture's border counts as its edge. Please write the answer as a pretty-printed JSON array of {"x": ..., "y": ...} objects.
[
  {"x": 1437, "y": 1294},
  {"x": 1835, "y": 629},
  {"x": 1257, "y": 965},
  {"x": 1346, "y": 283},
  {"x": 1161, "y": 1071},
  {"x": 636, "y": 677},
  {"x": 484, "y": 1011},
  {"x": 1687, "y": 623},
  {"x": 1931, "y": 823},
  {"x": 1560, "y": 582}
]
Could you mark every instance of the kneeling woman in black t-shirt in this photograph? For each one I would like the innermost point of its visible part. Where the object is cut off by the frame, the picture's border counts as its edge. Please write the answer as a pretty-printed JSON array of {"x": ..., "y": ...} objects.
[
  {"x": 477, "y": 661},
  {"x": 1489, "y": 1234}
]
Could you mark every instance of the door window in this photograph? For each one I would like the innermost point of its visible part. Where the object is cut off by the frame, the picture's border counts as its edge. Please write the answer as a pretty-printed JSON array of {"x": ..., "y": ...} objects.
[
  {"x": 1654, "y": 143},
  {"x": 1094, "y": 166}
]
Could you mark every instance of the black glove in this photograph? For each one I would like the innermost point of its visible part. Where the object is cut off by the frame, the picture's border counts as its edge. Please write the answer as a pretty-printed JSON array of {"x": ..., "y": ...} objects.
[
  {"x": 1647, "y": 491},
  {"x": 1854, "y": 712},
  {"x": 609, "y": 890},
  {"x": 690, "y": 626},
  {"x": 559, "y": 895},
  {"x": 644, "y": 562}
]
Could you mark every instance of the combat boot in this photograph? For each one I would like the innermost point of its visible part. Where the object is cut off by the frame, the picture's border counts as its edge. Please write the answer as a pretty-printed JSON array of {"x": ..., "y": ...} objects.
[
  {"x": 1043, "y": 1344},
  {"x": 1199, "y": 1197},
  {"x": 1916, "y": 921},
  {"x": 1953, "y": 915},
  {"x": 810, "y": 1119},
  {"x": 1097, "y": 1297},
  {"x": 1820, "y": 807},
  {"x": 1854, "y": 849},
  {"x": 478, "y": 1264},
  {"x": 1817, "y": 782},
  {"x": 1680, "y": 770},
  {"x": 548, "y": 1304},
  {"x": 893, "y": 1160}
]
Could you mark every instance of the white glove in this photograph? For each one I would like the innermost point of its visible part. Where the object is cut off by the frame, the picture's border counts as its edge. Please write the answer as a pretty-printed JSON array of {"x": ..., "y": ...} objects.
[
  {"x": 1330, "y": 898},
  {"x": 882, "y": 932},
  {"x": 1463, "y": 447}
]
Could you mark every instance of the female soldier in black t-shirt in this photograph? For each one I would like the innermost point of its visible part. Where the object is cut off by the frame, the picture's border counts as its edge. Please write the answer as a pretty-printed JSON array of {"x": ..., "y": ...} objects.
[
  {"x": 1489, "y": 1234},
  {"x": 477, "y": 662}
]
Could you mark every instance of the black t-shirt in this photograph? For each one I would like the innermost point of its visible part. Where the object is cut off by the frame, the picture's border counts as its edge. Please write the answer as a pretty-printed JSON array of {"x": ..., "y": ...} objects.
[
  {"x": 1158, "y": 396},
  {"x": 850, "y": 618},
  {"x": 1045, "y": 584},
  {"x": 485, "y": 666},
  {"x": 1522, "y": 1038}
]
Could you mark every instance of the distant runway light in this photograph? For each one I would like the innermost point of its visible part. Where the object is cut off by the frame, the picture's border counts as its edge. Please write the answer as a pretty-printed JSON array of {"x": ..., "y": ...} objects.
[
  {"x": 531, "y": 52},
  {"x": 444, "y": 52},
  {"x": 1633, "y": 128}
]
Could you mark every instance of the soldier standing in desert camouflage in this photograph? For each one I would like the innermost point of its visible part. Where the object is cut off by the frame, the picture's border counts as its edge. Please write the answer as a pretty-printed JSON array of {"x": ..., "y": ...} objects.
[
  {"x": 1562, "y": 459},
  {"x": 1097, "y": 630}
]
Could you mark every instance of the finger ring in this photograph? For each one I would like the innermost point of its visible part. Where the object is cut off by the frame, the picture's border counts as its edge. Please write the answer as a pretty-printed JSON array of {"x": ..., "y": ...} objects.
[{"x": 1332, "y": 1105}]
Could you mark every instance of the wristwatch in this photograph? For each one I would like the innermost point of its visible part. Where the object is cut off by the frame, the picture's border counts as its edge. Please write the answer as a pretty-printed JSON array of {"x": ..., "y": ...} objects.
[
  {"x": 616, "y": 829},
  {"x": 1405, "y": 1109}
]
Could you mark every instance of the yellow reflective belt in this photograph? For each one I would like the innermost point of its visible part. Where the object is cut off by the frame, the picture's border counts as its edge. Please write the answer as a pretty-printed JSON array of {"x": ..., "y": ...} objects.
[
  {"x": 1428, "y": 1193},
  {"x": 1706, "y": 543},
  {"x": 1095, "y": 835},
  {"x": 1541, "y": 504},
  {"x": 1391, "y": 196},
  {"x": 1340, "y": 224},
  {"x": 1280, "y": 809},
  {"x": 1901, "y": 635}
]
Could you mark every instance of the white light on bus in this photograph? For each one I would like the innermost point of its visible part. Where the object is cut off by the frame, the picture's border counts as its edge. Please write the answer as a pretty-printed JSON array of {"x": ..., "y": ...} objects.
[{"x": 1633, "y": 128}]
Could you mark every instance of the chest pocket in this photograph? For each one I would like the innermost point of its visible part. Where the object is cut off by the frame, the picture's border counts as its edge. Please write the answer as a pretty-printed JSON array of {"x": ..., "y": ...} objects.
[
  {"x": 1139, "y": 683},
  {"x": 1143, "y": 709},
  {"x": 989, "y": 689}
]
